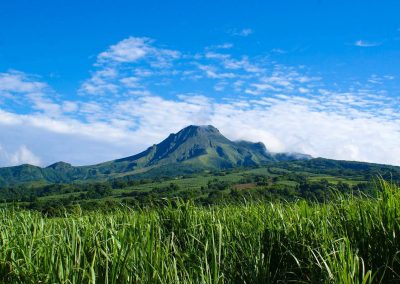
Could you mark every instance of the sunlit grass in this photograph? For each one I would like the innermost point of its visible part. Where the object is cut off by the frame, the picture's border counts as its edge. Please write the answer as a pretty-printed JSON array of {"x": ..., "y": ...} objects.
[{"x": 349, "y": 240}]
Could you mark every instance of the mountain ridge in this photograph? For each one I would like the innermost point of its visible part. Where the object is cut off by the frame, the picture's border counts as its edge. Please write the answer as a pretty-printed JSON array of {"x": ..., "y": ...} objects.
[{"x": 193, "y": 148}]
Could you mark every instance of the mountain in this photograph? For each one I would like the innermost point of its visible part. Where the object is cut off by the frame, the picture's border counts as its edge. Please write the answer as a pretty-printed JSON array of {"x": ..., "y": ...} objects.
[
  {"x": 194, "y": 148},
  {"x": 202, "y": 146}
]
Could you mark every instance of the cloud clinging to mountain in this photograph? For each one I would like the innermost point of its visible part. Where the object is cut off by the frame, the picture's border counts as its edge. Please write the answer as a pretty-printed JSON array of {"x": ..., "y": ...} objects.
[{"x": 139, "y": 92}]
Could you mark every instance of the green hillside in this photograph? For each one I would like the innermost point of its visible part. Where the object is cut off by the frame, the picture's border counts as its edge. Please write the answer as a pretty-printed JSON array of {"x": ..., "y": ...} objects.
[
  {"x": 348, "y": 240},
  {"x": 193, "y": 149}
]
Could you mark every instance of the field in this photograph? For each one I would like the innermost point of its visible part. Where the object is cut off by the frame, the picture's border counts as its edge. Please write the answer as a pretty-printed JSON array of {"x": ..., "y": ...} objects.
[
  {"x": 348, "y": 240},
  {"x": 281, "y": 181}
]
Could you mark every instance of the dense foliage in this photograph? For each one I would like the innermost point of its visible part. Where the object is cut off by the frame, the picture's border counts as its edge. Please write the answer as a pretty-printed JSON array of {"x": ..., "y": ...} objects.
[
  {"x": 348, "y": 240},
  {"x": 215, "y": 188}
]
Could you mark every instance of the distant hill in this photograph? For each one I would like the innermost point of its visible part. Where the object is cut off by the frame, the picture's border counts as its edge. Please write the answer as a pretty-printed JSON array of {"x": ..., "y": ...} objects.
[{"x": 193, "y": 149}]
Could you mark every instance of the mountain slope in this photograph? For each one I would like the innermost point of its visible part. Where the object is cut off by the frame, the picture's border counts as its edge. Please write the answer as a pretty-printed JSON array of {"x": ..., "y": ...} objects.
[
  {"x": 194, "y": 148},
  {"x": 203, "y": 145}
]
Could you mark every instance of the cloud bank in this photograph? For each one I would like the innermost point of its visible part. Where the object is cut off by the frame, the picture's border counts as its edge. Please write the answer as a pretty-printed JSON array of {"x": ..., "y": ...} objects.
[
  {"x": 139, "y": 92},
  {"x": 363, "y": 43}
]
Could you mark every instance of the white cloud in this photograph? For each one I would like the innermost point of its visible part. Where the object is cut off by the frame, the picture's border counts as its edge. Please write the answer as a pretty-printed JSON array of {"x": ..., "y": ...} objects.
[
  {"x": 303, "y": 90},
  {"x": 289, "y": 125},
  {"x": 122, "y": 112},
  {"x": 221, "y": 46},
  {"x": 132, "y": 49},
  {"x": 212, "y": 72},
  {"x": 22, "y": 155},
  {"x": 279, "y": 51},
  {"x": 243, "y": 32},
  {"x": 280, "y": 80},
  {"x": 127, "y": 50},
  {"x": 18, "y": 82},
  {"x": 230, "y": 63},
  {"x": 69, "y": 106},
  {"x": 238, "y": 75},
  {"x": 101, "y": 82},
  {"x": 123, "y": 66},
  {"x": 130, "y": 82},
  {"x": 363, "y": 43},
  {"x": 285, "y": 123},
  {"x": 22, "y": 90}
]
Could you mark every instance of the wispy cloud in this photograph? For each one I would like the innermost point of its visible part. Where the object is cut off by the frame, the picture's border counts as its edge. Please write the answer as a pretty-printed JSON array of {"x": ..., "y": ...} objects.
[
  {"x": 331, "y": 126},
  {"x": 132, "y": 49},
  {"x": 243, "y": 32},
  {"x": 18, "y": 82},
  {"x": 22, "y": 155},
  {"x": 226, "y": 45},
  {"x": 139, "y": 92},
  {"x": 363, "y": 43},
  {"x": 278, "y": 51}
]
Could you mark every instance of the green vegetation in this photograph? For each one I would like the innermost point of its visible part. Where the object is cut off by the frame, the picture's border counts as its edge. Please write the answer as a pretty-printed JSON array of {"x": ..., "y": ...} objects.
[
  {"x": 193, "y": 149},
  {"x": 279, "y": 181},
  {"x": 348, "y": 240},
  {"x": 199, "y": 208}
]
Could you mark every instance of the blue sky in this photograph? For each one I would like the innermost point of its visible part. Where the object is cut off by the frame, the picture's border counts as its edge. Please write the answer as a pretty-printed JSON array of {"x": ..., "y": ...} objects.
[{"x": 88, "y": 81}]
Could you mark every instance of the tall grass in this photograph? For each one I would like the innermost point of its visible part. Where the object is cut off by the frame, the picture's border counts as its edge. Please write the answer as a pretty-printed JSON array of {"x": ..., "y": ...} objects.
[{"x": 350, "y": 240}]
